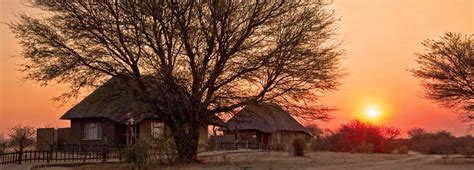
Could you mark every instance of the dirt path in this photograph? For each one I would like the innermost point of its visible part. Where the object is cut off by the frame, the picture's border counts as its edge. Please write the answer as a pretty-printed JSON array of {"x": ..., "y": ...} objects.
[
  {"x": 417, "y": 162},
  {"x": 17, "y": 167}
]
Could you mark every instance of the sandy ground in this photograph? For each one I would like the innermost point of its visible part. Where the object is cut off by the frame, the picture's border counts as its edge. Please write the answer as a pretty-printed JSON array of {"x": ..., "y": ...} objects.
[
  {"x": 336, "y": 161},
  {"x": 243, "y": 160}
]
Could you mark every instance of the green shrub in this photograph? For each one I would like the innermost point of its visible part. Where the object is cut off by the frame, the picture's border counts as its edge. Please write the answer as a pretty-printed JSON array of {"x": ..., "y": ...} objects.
[
  {"x": 137, "y": 154},
  {"x": 299, "y": 145}
]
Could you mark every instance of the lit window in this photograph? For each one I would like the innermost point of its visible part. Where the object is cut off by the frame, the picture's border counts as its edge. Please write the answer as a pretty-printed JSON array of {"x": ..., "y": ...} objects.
[
  {"x": 91, "y": 131},
  {"x": 214, "y": 131},
  {"x": 157, "y": 129}
]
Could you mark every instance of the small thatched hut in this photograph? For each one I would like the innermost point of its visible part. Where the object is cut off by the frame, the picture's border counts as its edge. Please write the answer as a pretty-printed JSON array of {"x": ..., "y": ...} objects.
[{"x": 265, "y": 124}]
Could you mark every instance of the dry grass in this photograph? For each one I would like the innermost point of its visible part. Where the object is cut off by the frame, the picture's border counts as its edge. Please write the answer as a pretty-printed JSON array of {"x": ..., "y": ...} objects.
[
  {"x": 284, "y": 160},
  {"x": 455, "y": 160},
  {"x": 12, "y": 149},
  {"x": 258, "y": 160}
]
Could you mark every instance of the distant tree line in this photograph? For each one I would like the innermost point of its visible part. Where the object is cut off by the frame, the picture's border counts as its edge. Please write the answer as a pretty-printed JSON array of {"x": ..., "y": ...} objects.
[
  {"x": 361, "y": 137},
  {"x": 440, "y": 142}
]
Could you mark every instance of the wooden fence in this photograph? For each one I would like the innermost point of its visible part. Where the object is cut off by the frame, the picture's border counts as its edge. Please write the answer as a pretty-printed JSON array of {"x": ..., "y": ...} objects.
[
  {"x": 242, "y": 145},
  {"x": 78, "y": 154},
  {"x": 104, "y": 153}
]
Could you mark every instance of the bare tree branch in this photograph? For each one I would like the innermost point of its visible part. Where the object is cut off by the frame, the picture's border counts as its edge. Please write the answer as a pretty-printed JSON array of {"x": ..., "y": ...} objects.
[{"x": 447, "y": 72}]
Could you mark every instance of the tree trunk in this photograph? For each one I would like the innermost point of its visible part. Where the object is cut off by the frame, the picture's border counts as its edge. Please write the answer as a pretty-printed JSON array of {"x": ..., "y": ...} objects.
[
  {"x": 186, "y": 138},
  {"x": 20, "y": 153}
]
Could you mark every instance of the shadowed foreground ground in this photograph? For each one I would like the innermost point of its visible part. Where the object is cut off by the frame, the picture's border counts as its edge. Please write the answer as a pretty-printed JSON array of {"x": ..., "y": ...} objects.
[{"x": 322, "y": 160}]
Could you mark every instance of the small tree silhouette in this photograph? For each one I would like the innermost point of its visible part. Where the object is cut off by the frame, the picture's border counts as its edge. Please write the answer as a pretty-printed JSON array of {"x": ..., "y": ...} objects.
[{"x": 20, "y": 137}]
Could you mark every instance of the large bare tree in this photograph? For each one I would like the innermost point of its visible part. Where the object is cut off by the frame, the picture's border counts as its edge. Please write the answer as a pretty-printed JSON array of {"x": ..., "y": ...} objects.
[
  {"x": 204, "y": 57},
  {"x": 447, "y": 72}
]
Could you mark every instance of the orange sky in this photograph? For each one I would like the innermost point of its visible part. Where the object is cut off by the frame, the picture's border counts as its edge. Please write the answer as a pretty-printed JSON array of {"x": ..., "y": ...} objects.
[{"x": 380, "y": 38}]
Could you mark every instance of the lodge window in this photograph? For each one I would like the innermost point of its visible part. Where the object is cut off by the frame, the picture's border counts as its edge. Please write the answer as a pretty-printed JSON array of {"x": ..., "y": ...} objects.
[
  {"x": 157, "y": 129},
  {"x": 91, "y": 131}
]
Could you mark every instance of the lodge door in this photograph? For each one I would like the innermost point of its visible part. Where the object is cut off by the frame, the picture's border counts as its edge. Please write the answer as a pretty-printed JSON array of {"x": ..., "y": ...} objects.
[
  {"x": 265, "y": 137},
  {"x": 262, "y": 137}
]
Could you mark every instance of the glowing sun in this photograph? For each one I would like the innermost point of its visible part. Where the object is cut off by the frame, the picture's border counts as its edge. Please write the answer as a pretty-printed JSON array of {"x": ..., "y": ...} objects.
[{"x": 372, "y": 113}]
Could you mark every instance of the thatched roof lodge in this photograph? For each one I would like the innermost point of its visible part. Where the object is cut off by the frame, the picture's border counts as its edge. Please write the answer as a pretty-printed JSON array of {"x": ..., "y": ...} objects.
[{"x": 266, "y": 124}]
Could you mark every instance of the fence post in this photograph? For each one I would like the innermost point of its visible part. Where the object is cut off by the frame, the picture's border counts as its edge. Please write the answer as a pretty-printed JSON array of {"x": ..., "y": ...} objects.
[
  {"x": 120, "y": 153},
  {"x": 85, "y": 155},
  {"x": 104, "y": 153},
  {"x": 50, "y": 154},
  {"x": 25, "y": 155},
  {"x": 2, "y": 153},
  {"x": 20, "y": 155}
]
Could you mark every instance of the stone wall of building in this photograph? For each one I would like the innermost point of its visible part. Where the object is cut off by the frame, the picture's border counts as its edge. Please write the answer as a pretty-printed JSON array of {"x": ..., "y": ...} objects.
[
  {"x": 203, "y": 139},
  {"x": 108, "y": 131},
  {"x": 245, "y": 135},
  {"x": 145, "y": 134},
  {"x": 65, "y": 136},
  {"x": 45, "y": 136}
]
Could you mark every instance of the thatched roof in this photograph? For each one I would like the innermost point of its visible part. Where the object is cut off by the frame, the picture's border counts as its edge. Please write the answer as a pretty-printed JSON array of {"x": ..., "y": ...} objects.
[
  {"x": 113, "y": 101},
  {"x": 267, "y": 118}
]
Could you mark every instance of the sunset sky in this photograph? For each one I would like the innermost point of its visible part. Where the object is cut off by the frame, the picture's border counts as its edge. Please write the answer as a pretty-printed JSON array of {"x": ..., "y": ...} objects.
[{"x": 380, "y": 39}]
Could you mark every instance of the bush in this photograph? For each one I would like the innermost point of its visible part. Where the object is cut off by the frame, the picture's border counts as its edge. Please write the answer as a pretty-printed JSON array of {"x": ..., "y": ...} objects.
[
  {"x": 280, "y": 147},
  {"x": 440, "y": 142},
  {"x": 321, "y": 144},
  {"x": 402, "y": 150},
  {"x": 137, "y": 154},
  {"x": 358, "y": 136},
  {"x": 316, "y": 145},
  {"x": 467, "y": 151},
  {"x": 164, "y": 150},
  {"x": 366, "y": 148},
  {"x": 299, "y": 145}
]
